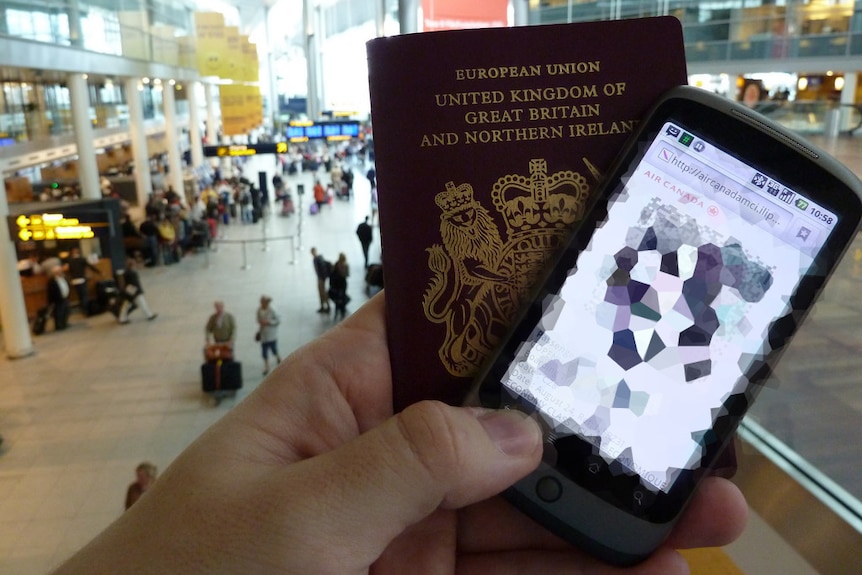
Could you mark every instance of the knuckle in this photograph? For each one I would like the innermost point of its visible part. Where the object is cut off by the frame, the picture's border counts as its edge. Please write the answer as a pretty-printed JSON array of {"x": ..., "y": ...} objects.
[{"x": 432, "y": 438}]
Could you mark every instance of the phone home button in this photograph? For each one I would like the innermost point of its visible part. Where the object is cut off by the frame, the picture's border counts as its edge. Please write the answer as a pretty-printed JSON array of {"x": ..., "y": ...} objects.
[{"x": 549, "y": 489}]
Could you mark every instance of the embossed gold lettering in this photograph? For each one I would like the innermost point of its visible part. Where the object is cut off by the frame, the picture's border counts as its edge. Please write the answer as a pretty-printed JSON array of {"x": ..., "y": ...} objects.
[
  {"x": 469, "y": 98},
  {"x": 573, "y": 68},
  {"x": 615, "y": 89},
  {"x": 441, "y": 139},
  {"x": 513, "y": 135},
  {"x": 601, "y": 128},
  {"x": 498, "y": 72},
  {"x": 563, "y": 112},
  {"x": 493, "y": 116},
  {"x": 550, "y": 94}
]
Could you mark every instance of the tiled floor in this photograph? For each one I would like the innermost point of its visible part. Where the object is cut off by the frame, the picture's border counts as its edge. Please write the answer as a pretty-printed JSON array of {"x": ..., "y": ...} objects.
[{"x": 94, "y": 401}]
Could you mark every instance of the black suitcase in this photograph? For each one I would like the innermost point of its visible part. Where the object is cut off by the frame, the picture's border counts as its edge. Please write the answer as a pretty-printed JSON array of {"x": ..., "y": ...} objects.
[
  {"x": 40, "y": 321},
  {"x": 108, "y": 296},
  {"x": 221, "y": 375},
  {"x": 106, "y": 292},
  {"x": 94, "y": 308}
]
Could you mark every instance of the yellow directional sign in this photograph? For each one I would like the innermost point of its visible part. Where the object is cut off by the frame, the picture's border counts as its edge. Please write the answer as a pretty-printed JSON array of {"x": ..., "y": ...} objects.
[{"x": 41, "y": 227}]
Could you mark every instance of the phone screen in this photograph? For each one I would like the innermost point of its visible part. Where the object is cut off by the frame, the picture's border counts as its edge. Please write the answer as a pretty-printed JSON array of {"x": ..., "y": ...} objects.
[{"x": 658, "y": 326}]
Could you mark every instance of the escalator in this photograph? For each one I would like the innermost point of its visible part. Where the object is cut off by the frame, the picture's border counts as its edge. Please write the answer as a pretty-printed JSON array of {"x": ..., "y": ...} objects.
[{"x": 814, "y": 118}]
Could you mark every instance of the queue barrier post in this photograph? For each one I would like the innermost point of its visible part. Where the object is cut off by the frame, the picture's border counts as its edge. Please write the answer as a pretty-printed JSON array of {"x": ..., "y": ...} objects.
[{"x": 245, "y": 265}]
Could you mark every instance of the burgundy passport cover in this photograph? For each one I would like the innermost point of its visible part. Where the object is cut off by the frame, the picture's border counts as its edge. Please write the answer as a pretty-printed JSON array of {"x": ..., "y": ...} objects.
[{"x": 488, "y": 144}]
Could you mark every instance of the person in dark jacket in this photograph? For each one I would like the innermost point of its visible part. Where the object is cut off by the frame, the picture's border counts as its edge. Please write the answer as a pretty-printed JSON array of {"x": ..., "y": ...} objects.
[
  {"x": 133, "y": 295},
  {"x": 322, "y": 269},
  {"x": 77, "y": 266},
  {"x": 58, "y": 297},
  {"x": 365, "y": 233},
  {"x": 338, "y": 286}
]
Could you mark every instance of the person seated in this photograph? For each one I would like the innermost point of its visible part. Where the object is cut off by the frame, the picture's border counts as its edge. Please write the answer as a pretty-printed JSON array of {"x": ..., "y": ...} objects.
[
  {"x": 150, "y": 232},
  {"x": 167, "y": 241}
]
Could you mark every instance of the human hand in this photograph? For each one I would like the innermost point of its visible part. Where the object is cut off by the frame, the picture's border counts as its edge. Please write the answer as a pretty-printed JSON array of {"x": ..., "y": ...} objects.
[{"x": 312, "y": 474}]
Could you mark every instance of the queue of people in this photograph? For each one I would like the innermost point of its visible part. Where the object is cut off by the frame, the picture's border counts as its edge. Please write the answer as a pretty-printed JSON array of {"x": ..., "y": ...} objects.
[{"x": 169, "y": 232}]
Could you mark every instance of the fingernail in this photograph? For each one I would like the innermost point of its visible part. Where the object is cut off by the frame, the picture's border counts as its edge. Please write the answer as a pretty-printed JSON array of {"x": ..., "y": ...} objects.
[{"x": 511, "y": 431}]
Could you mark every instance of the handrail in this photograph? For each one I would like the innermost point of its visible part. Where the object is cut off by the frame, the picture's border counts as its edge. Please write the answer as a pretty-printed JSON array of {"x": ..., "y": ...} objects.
[{"x": 779, "y": 111}]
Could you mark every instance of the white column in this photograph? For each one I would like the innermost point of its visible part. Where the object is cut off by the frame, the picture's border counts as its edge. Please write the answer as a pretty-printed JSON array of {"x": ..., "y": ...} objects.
[
  {"x": 270, "y": 65},
  {"x": 848, "y": 96},
  {"x": 521, "y": 12},
  {"x": 74, "y": 14},
  {"x": 88, "y": 170},
  {"x": 408, "y": 16},
  {"x": 175, "y": 162},
  {"x": 212, "y": 128},
  {"x": 195, "y": 125},
  {"x": 13, "y": 313},
  {"x": 320, "y": 39},
  {"x": 140, "y": 153},
  {"x": 312, "y": 54},
  {"x": 379, "y": 18}
]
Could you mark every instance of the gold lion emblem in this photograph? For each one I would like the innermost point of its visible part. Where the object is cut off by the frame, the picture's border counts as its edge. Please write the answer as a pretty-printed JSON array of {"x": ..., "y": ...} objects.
[{"x": 480, "y": 275}]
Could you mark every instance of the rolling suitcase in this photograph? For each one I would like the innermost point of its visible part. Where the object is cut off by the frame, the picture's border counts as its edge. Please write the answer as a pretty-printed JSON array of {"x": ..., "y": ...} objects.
[
  {"x": 221, "y": 378},
  {"x": 108, "y": 296}
]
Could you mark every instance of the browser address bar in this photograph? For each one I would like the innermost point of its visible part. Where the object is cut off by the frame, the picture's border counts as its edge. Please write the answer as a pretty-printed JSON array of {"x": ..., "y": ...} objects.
[{"x": 719, "y": 187}]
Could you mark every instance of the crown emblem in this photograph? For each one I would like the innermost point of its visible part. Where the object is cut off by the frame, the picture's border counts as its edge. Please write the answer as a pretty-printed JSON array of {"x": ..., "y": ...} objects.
[
  {"x": 540, "y": 200},
  {"x": 455, "y": 197}
]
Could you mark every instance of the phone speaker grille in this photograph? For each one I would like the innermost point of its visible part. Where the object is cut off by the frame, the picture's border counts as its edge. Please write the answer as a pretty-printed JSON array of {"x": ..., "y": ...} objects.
[{"x": 780, "y": 135}]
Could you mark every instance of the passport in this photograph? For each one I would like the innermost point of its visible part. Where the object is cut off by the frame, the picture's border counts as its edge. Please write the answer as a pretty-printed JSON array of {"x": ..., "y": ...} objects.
[{"x": 488, "y": 145}]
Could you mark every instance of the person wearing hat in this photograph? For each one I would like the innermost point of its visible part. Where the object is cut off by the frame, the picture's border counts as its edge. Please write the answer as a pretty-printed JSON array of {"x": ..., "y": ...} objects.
[{"x": 267, "y": 334}]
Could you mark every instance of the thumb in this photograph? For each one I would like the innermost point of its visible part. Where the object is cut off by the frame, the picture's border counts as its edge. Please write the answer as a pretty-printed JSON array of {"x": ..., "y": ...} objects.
[{"x": 429, "y": 456}]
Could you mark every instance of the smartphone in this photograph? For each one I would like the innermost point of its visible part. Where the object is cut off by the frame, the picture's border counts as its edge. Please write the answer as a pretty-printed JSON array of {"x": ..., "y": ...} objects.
[{"x": 650, "y": 335}]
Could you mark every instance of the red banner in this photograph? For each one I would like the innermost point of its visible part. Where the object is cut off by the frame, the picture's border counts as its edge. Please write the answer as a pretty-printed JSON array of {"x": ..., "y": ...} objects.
[{"x": 457, "y": 14}]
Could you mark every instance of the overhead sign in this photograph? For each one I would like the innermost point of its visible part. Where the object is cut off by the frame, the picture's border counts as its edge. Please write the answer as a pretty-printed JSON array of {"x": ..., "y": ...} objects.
[
  {"x": 457, "y": 14},
  {"x": 245, "y": 150},
  {"x": 302, "y": 131},
  {"x": 43, "y": 227}
]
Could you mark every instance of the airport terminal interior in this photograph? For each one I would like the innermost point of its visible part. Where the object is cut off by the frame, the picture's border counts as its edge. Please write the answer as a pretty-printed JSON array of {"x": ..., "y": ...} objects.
[{"x": 89, "y": 89}]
